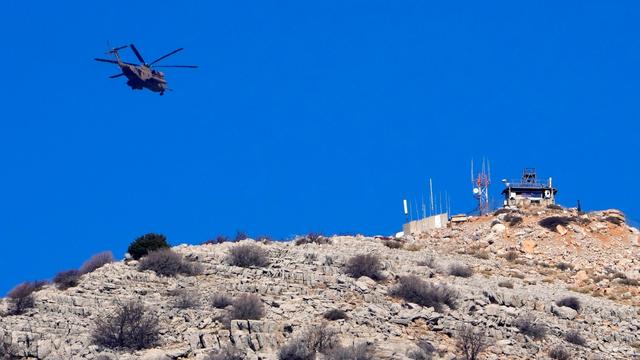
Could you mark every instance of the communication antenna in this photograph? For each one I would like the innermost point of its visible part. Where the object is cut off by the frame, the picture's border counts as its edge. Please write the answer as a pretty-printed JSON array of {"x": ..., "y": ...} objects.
[
  {"x": 431, "y": 196},
  {"x": 424, "y": 208},
  {"x": 410, "y": 212},
  {"x": 480, "y": 186}
]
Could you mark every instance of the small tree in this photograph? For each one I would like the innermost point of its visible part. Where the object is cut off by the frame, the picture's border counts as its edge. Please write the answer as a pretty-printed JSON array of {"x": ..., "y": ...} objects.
[
  {"x": 364, "y": 265},
  {"x": 246, "y": 255},
  {"x": 96, "y": 261},
  {"x": 21, "y": 298},
  {"x": 247, "y": 307},
  {"x": 67, "y": 279},
  {"x": 471, "y": 342},
  {"x": 147, "y": 243},
  {"x": 130, "y": 327}
]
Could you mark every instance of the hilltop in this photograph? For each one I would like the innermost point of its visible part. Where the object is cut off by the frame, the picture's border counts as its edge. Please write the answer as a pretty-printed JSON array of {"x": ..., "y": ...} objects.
[{"x": 532, "y": 281}]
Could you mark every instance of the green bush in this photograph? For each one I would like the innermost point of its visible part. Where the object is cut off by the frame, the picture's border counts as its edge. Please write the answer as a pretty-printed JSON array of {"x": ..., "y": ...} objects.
[{"x": 147, "y": 243}]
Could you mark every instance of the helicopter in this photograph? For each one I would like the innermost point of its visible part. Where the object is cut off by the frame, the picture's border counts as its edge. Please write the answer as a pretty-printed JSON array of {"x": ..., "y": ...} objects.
[{"x": 143, "y": 75}]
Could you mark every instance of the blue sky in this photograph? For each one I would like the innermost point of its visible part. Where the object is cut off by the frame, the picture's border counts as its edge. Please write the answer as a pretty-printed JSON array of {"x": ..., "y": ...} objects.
[{"x": 302, "y": 117}]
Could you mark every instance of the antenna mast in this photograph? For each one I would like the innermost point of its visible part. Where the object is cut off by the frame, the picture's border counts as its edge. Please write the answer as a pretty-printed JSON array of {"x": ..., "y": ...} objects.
[{"x": 480, "y": 185}]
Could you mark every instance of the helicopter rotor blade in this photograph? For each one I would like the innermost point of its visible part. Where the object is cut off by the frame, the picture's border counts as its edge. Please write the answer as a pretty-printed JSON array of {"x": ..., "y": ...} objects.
[
  {"x": 177, "y": 66},
  {"x": 165, "y": 56},
  {"x": 106, "y": 60},
  {"x": 115, "y": 76},
  {"x": 135, "y": 51},
  {"x": 112, "y": 61}
]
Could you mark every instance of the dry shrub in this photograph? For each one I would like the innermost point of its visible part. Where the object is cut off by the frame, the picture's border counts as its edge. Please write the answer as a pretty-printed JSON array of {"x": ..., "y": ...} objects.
[
  {"x": 8, "y": 351},
  {"x": 221, "y": 301},
  {"x": 247, "y": 307},
  {"x": 570, "y": 301},
  {"x": 574, "y": 337},
  {"x": 563, "y": 266},
  {"x": 551, "y": 222},
  {"x": 130, "y": 327},
  {"x": 471, "y": 342},
  {"x": 227, "y": 353},
  {"x": 21, "y": 298},
  {"x": 413, "y": 247},
  {"x": 629, "y": 282},
  {"x": 413, "y": 289},
  {"x": 424, "y": 352},
  {"x": 511, "y": 255},
  {"x": 354, "y": 352},
  {"x": 530, "y": 326},
  {"x": 167, "y": 262},
  {"x": 313, "y": 238},
  {"x": 614, "y": 220},
  {"x": 428, "y": 261},
  {"x": 147, "y": 243},
  {"x": 460, "y": 270},
  {"x": 96, "y": 261},
  {"x": 67, "y": 279},
  {"x": 296, "y": 349},
  {"x": 481, "y": 254},
  {"x": 393, "y": 243},
  {"x": 240, "y": 235},
  {"x": 335, "y": 314},
  {"x": 513, "y": 220},
  {"x": 321, "y": 337},
  {"x": 247, "y": 255},
  {"x": 218, "y": 240},
  {"x": 559, "y": 353},
  {"x": 185, "y": 299},
  {"x": 364, "y": 265}
]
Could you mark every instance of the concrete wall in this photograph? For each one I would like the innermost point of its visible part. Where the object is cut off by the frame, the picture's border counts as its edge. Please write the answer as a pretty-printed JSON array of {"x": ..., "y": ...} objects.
[{"x": 426, "y": 224}]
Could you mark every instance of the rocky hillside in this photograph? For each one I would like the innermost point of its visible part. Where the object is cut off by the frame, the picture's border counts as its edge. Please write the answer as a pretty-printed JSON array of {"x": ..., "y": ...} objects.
[{"x": 535, "y": 284}]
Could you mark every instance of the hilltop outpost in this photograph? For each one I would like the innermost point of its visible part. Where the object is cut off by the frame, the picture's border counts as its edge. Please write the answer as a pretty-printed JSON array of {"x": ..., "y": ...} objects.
[{"x": 529, "y": 191}]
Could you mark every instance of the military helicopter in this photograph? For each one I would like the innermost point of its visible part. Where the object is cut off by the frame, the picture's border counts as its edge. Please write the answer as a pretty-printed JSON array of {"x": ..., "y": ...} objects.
[{"x": 143, "y": 75}]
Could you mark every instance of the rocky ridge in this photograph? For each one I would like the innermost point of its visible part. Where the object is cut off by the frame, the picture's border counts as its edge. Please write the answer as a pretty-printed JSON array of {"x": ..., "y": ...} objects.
[{"x": 599, "y": 251}]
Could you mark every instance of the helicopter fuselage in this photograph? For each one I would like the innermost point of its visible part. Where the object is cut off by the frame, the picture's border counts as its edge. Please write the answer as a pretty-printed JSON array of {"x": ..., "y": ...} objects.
[{"x": 141, "y": 77}]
